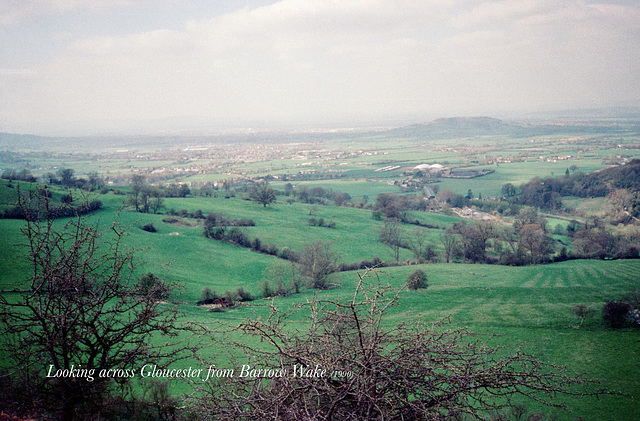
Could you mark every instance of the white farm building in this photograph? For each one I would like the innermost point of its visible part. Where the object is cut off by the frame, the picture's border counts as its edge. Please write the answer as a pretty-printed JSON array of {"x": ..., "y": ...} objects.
[{"x": 426, "y": 168}]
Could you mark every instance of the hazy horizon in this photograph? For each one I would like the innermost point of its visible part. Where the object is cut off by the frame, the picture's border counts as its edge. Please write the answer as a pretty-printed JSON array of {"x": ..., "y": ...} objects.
[{"x": 82, "y": 67}]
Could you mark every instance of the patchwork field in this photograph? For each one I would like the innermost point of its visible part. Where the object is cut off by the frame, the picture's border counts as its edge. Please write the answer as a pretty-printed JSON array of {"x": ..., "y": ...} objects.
[{"x": 507, "y": 306}]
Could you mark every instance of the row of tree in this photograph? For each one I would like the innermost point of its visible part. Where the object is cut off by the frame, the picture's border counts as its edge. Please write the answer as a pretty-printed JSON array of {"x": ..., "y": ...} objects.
[
  {"x": 547, "y": 193},
  {"x": 39, "y": 205}
]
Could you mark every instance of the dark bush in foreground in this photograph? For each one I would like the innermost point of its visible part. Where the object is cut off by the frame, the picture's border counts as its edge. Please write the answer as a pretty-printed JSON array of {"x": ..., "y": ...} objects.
[{"x": 614, "y": 313}]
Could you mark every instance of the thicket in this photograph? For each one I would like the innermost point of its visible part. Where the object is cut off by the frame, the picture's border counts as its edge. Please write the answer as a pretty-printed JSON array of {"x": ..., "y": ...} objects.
[
  {"x": 547, "y": 193},
  {"x": 39, "y": 206},
  {"x": 66, "y": 177},
  {"x": 417, "y": 280},
  {"x": 624, "y": 312},
  {"x": 183, "y": 213},
  {"x": 210, "y": 296},
  {"x": 217, "y": 219},
  {"x": 22, "y": 175},
  {"x": 614, "y": 313},
  {"x": 320, "y": 222},
  {"x": 219, "y": 227}
]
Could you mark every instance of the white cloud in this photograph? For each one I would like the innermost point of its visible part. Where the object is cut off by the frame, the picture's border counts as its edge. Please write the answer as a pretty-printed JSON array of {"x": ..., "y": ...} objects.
[
  {"x": 13, "y": 11},
  {"x": 313, "y": 60},
  {"x": 492, "y": 13}
]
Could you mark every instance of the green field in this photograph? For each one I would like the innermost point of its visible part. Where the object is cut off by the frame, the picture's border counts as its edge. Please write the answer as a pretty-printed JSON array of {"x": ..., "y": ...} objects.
[
  {"x": 523, "y": 306},
  {"x": 511, "y": 307}
]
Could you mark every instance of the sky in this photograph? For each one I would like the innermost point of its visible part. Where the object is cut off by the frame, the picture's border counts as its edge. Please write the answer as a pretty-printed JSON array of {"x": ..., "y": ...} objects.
[{"x": 74, "y": 67}]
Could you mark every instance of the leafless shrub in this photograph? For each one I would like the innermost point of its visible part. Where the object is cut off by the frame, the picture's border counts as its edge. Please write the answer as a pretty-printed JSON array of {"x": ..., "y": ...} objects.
[
  {"x": 82, "y": 325},
  {"x": 349, "y": 365}
]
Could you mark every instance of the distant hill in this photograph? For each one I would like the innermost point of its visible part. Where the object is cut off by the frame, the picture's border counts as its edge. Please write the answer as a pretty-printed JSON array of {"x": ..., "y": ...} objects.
[
  {"x": 23, "y": 141},
  {"x": 622, "y": 112},
  {"x": 469, "y": 127},
  {"x": 469, "y": 123},
  {"x": 454, "y": 127}
]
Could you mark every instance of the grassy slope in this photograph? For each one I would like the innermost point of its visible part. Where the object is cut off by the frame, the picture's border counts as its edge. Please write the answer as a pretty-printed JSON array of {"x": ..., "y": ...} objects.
[{"x": 526, "y": 305}]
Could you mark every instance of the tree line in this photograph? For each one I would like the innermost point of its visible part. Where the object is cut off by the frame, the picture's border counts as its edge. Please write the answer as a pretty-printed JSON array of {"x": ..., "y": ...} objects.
[
  {"x": 547, "y": 193},
  {"x": 37, "y": 205}
]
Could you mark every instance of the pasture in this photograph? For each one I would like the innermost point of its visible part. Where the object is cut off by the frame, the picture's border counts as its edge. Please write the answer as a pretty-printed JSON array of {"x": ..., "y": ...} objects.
[
  {"x": 507, "y": 306},
  {"x": 511, "y": 307}
]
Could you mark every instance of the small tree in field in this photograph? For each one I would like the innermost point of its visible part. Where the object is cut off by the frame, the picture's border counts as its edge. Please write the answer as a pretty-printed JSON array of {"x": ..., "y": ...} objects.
[
  {"x": 81, "y": 309},
  {"x": 262, "y": 193},
  {"x": 451, "y": 246},
  {"x": 317, "y": 262},
  {"x": 582, "y": 312},
  {"x": 392, "y": 236},
  {"x": 349, "y": 366},
  {"x": 417, "y": 280}
]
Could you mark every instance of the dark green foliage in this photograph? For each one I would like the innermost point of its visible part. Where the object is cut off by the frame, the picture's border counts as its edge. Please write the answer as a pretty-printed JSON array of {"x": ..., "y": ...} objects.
[
  {"x": 149, "y": 228},
  {"x": 222, "y": 220},
  {"x": 271, "y": 249},
  {"x": 320, "y": 222},
  {"x": 288, "y": 254},
  {"x": 177, "y": 190},
  {"x": 39, "y": 207},
  {"x": 262, "y": 193},
  {"x": 215, "y": 227},
  {"x": 217, "y": 233},
  {"x": 238, "y": 236},
  {"x": 417, "y": 280},
  {"x": 230, "y": 297},
  {"x": 197, "y": 214},
  {"x": 67, "y": 177},
  {"x": 323, "y": 196},
  {"x": 614, "y": 313},
  {"x": 149, "y": 284},
  {"x": 624, "y": 177},
  {"x": 23, "y": 175},
  {"x": 376, "y": 262},
  {"x": 208, "y": 296},
  {"x": 276, "y": 288},
  {"x": 243, "y": 295},
  {"x": 546, "y": 193}
]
